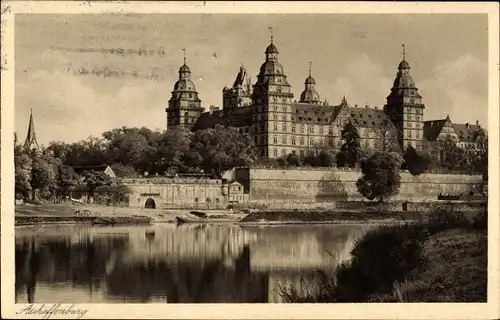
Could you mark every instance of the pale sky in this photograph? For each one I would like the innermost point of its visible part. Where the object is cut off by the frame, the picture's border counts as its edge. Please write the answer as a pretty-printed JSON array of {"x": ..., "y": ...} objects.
[{"x": 352, "y": 54}]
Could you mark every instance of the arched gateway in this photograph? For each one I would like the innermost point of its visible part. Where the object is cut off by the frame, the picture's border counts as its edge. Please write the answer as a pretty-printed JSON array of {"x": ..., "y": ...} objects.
[{"x": 150, "y": 204}]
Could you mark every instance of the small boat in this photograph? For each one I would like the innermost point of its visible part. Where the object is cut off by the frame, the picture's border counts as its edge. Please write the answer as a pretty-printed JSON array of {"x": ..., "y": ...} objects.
[
  {"x": 181, "y": 220},
  {"x": 122, "y": 220},
  {"x": 199, "y": 214}
]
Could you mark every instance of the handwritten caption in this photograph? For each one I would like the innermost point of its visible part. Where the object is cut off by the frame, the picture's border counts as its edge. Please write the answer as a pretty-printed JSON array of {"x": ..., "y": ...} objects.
[{"x": 50, "y": 310}]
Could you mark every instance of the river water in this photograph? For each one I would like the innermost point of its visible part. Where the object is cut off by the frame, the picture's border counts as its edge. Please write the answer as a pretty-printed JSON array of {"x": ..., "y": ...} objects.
[{"x": 179, "y": 264}]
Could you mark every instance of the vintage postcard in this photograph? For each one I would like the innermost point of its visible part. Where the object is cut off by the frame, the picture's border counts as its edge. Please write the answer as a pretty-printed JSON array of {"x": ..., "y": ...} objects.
[{"x": 334, "y": 160}]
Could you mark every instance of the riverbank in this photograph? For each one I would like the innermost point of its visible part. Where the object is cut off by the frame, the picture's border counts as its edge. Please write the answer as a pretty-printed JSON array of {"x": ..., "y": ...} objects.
[{"x": 441, "y": 260}]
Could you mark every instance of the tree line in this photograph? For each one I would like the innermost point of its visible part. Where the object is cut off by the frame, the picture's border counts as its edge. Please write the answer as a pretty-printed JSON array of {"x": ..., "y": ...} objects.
[{"x": 132, "y": 152}]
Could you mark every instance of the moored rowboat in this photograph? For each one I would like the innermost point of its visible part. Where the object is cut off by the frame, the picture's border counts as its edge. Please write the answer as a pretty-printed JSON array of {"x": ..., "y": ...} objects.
[{"x": 208, "y": 220}]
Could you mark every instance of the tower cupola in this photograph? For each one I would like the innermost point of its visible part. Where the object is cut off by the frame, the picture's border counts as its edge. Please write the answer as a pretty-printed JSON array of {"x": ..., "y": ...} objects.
[{"x": 310, "y": 95}]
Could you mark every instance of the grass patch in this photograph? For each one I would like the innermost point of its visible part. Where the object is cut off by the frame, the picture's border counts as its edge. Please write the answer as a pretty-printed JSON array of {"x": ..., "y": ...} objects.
[{"x": 443, "y": 259}]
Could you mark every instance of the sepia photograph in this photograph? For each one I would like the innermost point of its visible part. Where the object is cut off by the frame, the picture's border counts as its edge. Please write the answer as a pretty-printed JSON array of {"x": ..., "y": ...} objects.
[{"x": 187, "y": 154}]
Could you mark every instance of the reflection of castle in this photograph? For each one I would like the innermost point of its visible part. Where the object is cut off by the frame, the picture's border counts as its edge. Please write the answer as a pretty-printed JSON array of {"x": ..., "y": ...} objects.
[
  {"x": 279, "y": 124},
  {"x": 211, "y": 264}
]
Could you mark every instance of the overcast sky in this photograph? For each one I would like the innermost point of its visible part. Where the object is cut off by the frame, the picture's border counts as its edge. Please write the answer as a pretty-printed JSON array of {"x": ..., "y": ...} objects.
[{"x": 61, "y": 62}]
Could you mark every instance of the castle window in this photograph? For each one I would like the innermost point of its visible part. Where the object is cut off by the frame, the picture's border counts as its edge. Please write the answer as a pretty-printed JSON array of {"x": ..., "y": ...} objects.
[
  {"x": 274, "y": 116},
  {"x": 284, "y": 117},
  {"x": 320, "y": 130},
  {"x": 275, "y": 140},
  {"x": 293, "y": 128},
  {"x": 330, "y": 130},
  {"x": 301, "y": 141},
  {"x": 301, "y": 128},
  {"x": 275, "y": 126},
  {"x": 275, "y": 152},
  {"x": 283, "y": 140},
  {"x": 311, "y": 129},
  {"x": 311, "y": 142},
  {"x": 283, "y": 152},
  {"x": 319, "y": 119},
  {"x": 186, "y": 114},
  {"x": 293, "y": 140},
  {"x": 190, "y": 95},
  {"x": 284, "y": 127}
]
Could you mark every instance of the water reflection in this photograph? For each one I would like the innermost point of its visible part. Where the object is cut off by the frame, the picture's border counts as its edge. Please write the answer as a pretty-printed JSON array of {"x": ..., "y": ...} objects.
[{"x": 185, "y": 264}]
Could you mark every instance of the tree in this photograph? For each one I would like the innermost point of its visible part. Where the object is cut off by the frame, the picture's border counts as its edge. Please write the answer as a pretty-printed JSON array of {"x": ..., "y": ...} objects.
[
  {"x": 350, "y": 149},
  {"x": 22, "y": 172},
  {"x": 122, "y": 170},
  {"x": 93, "y": 179},
  {"x": 293, "y": 159},
  {"x": 66, "y": 179},
  {"x": 386, "y": 139},
  {"x": 220, "y": 149},
  {"x": 415, "y": 163},
  {"x": 452, "y": 156},
  {"x": 380, "y": 176},
  {"x": 43, "y": 173},
  {"x": 326, "y": 159},
  {"x": 480, "y": 160},
  {"x": 172, "y": 147}
]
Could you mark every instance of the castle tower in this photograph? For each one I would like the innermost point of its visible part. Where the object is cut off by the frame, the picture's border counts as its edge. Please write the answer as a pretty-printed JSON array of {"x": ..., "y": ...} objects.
[
  {"x": 241, "y": 92},
  {"x": 405, "y": 108},
  {"x": 310, "y": 95},
  {"x": 271, "y": 111},
  {"x": 184, "y": 107},
  {"x": 31, "y": 141}
]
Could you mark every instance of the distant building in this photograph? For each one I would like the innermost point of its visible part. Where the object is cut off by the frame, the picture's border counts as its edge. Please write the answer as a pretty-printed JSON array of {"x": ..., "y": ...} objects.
[
  {"x": 100, "y": 168},
  {"x": 279, "y": 124},
  {"x": 31, "y": 142}
]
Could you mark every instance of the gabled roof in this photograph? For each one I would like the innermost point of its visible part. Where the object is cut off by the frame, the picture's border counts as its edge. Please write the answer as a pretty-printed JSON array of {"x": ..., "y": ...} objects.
[
  {"x": 433, "y": 128},
  {"x": 365, "y": 117},
  {"x": 101, "y": 168},
  {"x": 465, "y": 132},
  {"x": 235, "y": 117}
]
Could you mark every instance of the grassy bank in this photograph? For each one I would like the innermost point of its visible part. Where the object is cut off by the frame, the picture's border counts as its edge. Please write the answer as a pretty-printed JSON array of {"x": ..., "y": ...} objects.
[
  {"x": 443, "y": 259},
  {"x": 322, "y": 216}
]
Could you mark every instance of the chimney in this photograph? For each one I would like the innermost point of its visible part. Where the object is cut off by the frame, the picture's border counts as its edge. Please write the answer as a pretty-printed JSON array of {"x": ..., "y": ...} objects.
[{"x": 355, "y": 106}]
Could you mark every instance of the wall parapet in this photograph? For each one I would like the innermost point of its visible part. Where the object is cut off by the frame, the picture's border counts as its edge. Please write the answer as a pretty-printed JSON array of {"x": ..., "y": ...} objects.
[
  {"x": 356, "y": 169},
  {"x": 132, "y": 181}
]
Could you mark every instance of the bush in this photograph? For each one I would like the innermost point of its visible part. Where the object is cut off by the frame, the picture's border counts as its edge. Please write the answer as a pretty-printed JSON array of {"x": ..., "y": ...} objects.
[
  {"x": 383, "y": 256},
  {"x": 443, "y": 219},
  {"x": 480, "y": 221}
]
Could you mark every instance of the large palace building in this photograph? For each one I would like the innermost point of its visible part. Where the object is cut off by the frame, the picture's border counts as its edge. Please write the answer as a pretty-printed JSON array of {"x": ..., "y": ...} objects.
[{"x": 279, "y": 124}]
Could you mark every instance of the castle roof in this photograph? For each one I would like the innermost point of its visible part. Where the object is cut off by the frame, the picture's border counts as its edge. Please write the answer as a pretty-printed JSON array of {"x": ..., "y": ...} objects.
[
  {"x": 466, "y": 132},
  {"x": 236, "y": 117},
  {"x": 433, "y": 128}
]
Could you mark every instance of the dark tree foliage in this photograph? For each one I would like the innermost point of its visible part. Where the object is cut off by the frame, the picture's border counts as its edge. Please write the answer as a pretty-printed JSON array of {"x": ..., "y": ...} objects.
[
  {"x": 293, "y": 159},
  {"x": 350, "y": 149},
  {"x": 93, "y": 179},
  {"x": 326, "y": 159},
  {"x": 380, "y": 176},
  {"x": 414, "y": 162}
]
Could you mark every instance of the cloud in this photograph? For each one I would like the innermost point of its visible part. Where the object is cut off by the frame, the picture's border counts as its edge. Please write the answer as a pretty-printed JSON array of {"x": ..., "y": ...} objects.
[
  {"x": 457, "y": 88},
  {"x": 362, "y": 81},
  {"x": 67, "y": 109}
]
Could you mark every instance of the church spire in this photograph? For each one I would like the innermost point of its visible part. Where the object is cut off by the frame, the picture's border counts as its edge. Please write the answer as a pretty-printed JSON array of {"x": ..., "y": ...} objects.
[{"x": 31, "y": 136}]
